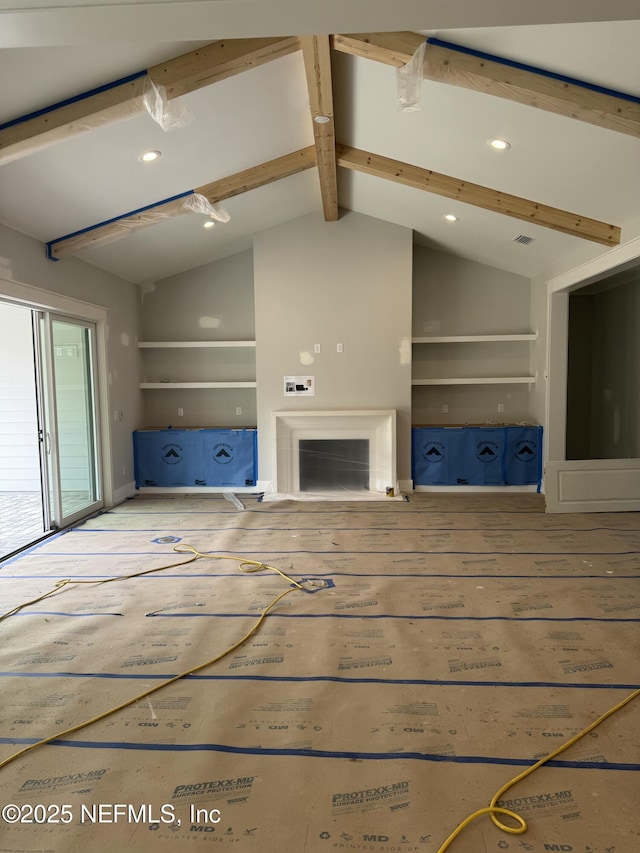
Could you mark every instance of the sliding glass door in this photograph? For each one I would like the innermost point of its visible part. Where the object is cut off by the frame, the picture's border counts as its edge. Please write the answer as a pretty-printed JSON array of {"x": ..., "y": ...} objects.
[
  {"x": 23, "y": 515},
  {"x": 70, "y": 446},
  {"x": 50, "y": 466}
]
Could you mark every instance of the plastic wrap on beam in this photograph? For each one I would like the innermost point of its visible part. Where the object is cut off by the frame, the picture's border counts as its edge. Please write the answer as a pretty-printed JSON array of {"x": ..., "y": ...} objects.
[
  {"x": 409, "y": 79},
  {"x": 170, "y": 115},
  {"x": 118, "y": 100},
  {"x": 120, "y": 226},
  {"x": 198, "y": 203}
]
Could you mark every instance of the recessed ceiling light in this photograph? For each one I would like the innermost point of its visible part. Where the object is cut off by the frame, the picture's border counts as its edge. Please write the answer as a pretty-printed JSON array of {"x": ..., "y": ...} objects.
[
  {"x": 209, "y": 224},
  {"x": 451, "y": 217},
  {"x": 322, "y": 119},
  {"x": 149, "y": 156},
  {"x": 499, "y": 144}
]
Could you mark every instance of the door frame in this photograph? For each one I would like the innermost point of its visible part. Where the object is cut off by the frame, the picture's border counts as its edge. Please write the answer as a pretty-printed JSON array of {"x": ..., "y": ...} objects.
[
  {"x": 569, "y": 485},
  {"x": 48, "y": 320},
  {"x": 38, "y": 299}
]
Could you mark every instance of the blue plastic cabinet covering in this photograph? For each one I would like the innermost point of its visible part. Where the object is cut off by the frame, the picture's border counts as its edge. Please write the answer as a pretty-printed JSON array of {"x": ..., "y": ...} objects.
[
  {"x": 167, "y": 457},
  {"x": 476, "y": 456},
  {"x": 523, "y": 456},
  {"x": 199, "y": 457},
  {"x": 481, "y": 456},
  {"x": 229, "y": 457},
  {"x": 434, "y": 455}
]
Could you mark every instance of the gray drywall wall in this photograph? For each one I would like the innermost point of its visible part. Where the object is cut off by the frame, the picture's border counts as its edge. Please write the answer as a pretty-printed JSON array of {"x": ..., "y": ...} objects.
[
  {"x": 22, "y": 259},
  {"x": 455, "y": 296},
  {"x": 326, "y": 283},
  {"x": 210, "y": 303}
]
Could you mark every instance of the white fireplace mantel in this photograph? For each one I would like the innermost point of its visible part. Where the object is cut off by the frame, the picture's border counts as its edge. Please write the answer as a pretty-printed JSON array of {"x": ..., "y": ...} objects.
[{"x": 289, "y": 428}]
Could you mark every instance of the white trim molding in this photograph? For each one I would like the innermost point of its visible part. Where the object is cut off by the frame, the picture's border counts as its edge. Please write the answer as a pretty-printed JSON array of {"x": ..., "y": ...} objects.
[{"x": 377, "y": 426}]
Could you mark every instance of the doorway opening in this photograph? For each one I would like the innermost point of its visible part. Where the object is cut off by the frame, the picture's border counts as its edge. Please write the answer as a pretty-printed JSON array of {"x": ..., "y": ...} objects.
[{"x": 49, "y": 441}]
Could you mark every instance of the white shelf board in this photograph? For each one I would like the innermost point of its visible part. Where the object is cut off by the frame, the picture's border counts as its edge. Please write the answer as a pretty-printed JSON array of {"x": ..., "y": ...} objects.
[
  {"x": 198, "y": 344},
  {"x": 168, "y": 386},
  {"x": 478, "y": 380},
  {"x": 469, "y": 339}
]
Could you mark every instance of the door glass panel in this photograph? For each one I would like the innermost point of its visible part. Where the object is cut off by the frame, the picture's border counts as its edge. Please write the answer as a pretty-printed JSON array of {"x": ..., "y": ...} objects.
[
  {"x": 74, "y": 398},
  {"x": 21, "y": 503}
]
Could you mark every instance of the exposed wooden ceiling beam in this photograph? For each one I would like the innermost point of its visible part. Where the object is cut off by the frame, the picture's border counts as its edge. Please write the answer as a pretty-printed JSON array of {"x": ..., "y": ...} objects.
[
  {"x": 479, "y": 196},
  {"x": 317, "y": 63},
  {"x": 390, "y": 48},
  {"x": 217, "y": 61},
  {"x": 259, "y": 176},
  {"x": 217, "y": 191},
  {"x": 180, "y": 75},
  {"x": 501, "y": 79}
]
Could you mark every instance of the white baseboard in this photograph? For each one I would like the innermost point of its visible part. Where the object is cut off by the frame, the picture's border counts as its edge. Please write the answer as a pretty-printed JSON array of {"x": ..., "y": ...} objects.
[
  {"x": 198, "y": 490},
  {"x": 509, "y": 489},
  {"x": 124, "y": 492}
]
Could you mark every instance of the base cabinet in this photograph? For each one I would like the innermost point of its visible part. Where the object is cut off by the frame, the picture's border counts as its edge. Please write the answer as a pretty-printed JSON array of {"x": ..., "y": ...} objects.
[
  {"x": 195, "y": 457},
  {"x": 476, "y": 456}
]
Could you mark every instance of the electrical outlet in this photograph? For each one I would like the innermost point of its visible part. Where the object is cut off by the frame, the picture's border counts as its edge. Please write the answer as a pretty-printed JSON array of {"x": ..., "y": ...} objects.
[
  {"x": 339, "y": 348},
  {"x": 445, "y": 408},
  {"x": 500, "y": 408},
  {"x": 238, "y": 410},
  {"x": 180, "y": 412},
  {"x": 316, "y": 347}
]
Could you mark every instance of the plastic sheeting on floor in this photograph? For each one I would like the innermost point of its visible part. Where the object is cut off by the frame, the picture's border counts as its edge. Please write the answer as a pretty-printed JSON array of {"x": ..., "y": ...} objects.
[{"x": 455, "y": 639}]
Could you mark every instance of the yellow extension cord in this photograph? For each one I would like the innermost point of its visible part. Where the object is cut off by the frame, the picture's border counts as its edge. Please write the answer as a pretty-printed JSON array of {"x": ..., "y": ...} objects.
[
  {"x": 249, "y": 566},
  {"x": 254, "y": 566},
  {"x": 493, "y": 810}
]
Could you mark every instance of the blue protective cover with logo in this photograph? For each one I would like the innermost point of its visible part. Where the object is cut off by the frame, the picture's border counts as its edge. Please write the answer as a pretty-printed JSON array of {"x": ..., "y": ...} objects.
[
  {"x": 476, "y": 456},
  {"x": 434, "y": 456},
  {"x": 523, "y": 456},
  {"x": 480, "y": 455},
  {"x": 167, "y": 457},
  {"x": 198, "y": 457},
  {"x": 229, "y": 457}
]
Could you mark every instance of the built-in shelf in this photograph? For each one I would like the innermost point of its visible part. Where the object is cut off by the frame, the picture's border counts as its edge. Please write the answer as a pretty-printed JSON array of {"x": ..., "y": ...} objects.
[
  {"x": 199, "y": 344},
  {"x": 472, "y": 339},
  {"x": 168, "y": 386},
  {"x": 476, "y": 339},
  {"x": 478, "y": 380},
  {"x": 172, "y": 385}
]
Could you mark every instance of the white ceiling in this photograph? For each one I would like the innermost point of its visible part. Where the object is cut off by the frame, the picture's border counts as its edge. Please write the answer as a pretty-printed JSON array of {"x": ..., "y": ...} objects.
[{"x": 264, "y": 113}]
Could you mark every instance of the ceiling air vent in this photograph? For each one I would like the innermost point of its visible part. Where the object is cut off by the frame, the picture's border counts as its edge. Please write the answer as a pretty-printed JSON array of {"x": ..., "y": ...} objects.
[{"x": 522, "y": 238}]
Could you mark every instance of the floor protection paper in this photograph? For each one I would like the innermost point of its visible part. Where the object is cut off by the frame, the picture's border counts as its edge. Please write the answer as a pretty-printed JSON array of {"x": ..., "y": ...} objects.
[{"x": 438, "y": 647}]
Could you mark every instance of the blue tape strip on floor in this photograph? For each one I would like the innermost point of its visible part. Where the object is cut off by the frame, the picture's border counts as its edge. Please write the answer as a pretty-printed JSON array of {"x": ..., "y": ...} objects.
[
  {"x": 367, "y": 528},
  {"x": 328, "y": 572},
  {"x": 321, "y": 753},
  {"x": 369, "y": 512},
  {"x": 62, "y": 613},
  {"x": 35, "y": 547},
  {"x": 430, "y": 617},
  {"x": 343, "y": 553},
  {"x": 560, "y": 685}
]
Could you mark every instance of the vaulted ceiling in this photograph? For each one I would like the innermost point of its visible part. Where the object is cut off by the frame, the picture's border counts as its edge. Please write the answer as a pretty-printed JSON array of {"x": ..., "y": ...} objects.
[{"x": 566, "y": 97}]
